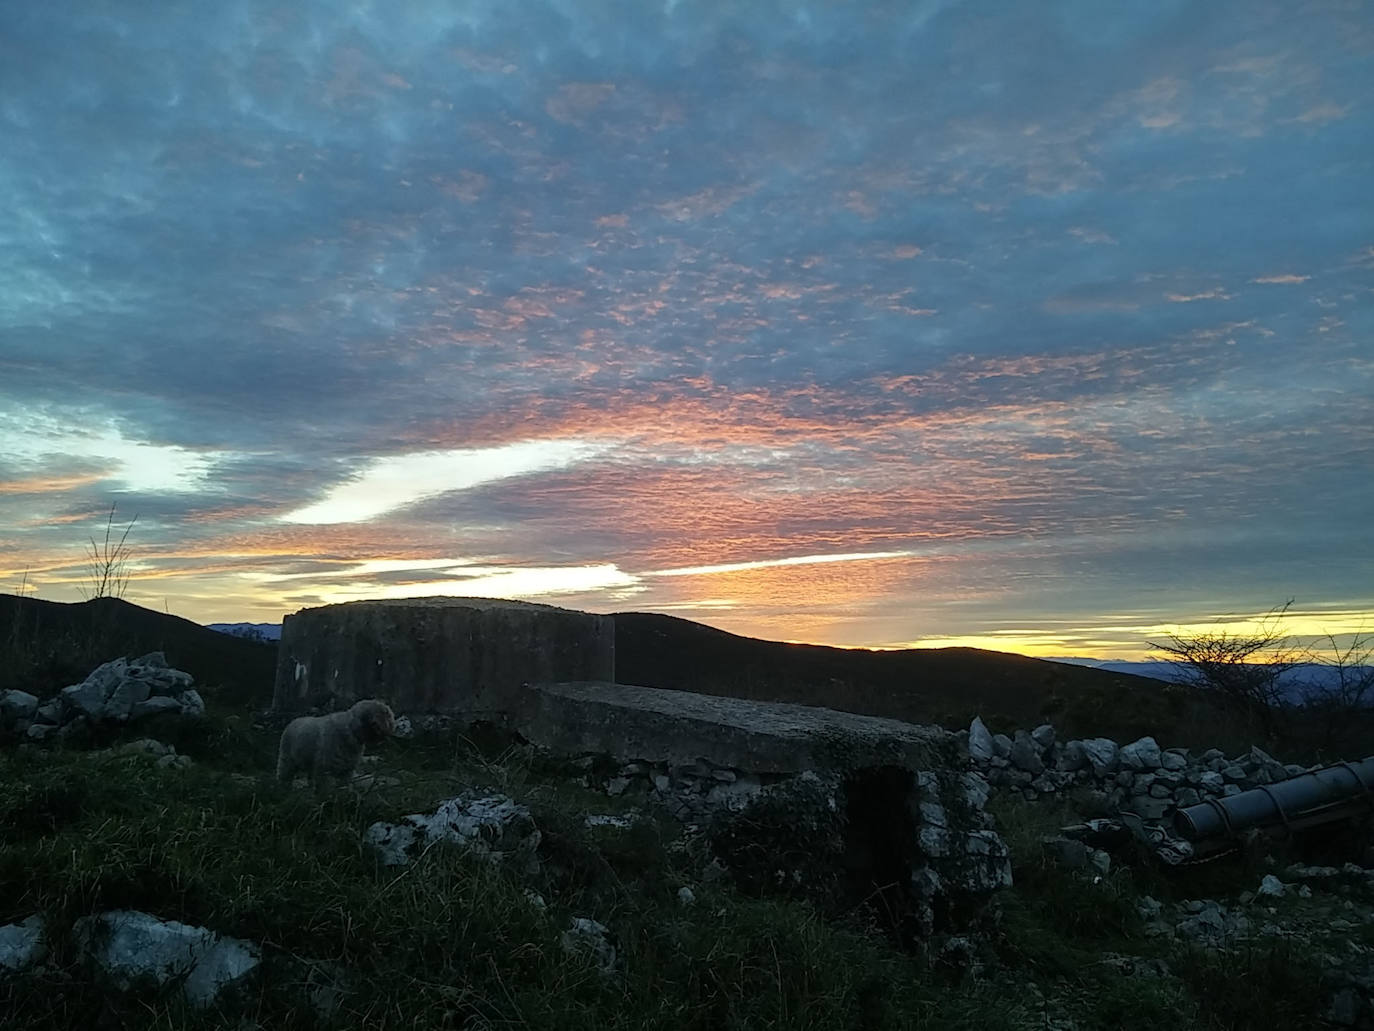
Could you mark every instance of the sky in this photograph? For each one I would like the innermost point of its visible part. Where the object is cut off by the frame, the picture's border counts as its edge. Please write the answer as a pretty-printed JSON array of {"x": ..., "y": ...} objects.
[{"x": 1035, "y": 326}]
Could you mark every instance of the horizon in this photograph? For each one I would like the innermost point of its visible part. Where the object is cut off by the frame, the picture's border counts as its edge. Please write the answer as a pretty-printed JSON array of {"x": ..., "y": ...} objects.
[{"x": 1039, "y": 329}]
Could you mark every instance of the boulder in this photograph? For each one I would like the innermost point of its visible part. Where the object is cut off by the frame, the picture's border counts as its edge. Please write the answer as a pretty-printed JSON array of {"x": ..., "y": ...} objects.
[
  {"x": 1143, "y": 754},
  {"x": 1102, "y": 755},
  {"x": 23, "y": 944},
  {"x": 980, "y": 746},
  {"x": 153, "y": 705},
  {"x": 128, "y": 693},
  {"x": 1073, "y": 757},
  {"x": 1044, "y": 737},
  {"x": 17, "y": 705},
  {"x": 130, "y": 946},
  {"x": 489, "y": 825},
  {"x": 1025, "y": 755}
]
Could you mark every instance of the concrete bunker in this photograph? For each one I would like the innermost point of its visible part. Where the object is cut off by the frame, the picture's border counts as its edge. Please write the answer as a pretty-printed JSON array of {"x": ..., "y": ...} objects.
[
  {"x": 466, "y": 657},
  {"x": 851, "y": 811}
]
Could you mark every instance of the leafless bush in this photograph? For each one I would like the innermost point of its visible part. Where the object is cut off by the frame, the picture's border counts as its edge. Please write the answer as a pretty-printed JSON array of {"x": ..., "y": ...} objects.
[
  {"x": 1243, "y": 667},
  {"x": 1343, "y": 700}
]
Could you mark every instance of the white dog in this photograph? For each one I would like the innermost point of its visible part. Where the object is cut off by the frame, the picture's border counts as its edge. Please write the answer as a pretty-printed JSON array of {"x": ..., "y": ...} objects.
[{"x": 330, "y": 747}]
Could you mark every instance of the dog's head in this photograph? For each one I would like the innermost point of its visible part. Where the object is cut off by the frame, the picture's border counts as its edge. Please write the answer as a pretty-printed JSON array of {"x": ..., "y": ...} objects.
[{"x": 373, "y": 720}]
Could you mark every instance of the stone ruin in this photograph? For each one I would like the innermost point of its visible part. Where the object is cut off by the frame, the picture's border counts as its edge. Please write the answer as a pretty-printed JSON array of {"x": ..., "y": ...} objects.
[
  {"x": 848, "y": 804},
  {"x": 459, "y": 657}
]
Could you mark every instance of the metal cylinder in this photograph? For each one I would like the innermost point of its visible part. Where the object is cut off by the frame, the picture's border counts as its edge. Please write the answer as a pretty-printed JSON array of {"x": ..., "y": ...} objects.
[{"x": 1284, "y": 802}]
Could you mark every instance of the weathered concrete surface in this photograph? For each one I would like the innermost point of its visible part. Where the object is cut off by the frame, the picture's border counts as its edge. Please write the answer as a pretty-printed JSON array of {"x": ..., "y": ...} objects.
[
  {"x": 460, "y": 656},
  {"x": 762, "y": 737}
]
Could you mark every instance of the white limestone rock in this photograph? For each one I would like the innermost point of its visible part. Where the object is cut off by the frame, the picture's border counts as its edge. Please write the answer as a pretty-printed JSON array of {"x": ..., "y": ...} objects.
[
  {"x": 586, "y": 936},
  {"x": 131, "y": 946},
  {"x": 1143, "y": 754},
  {"x": 1102, "y": 755},
  {"x": 23, "y": 945},
  {"x": 980, "y": 746},
  {"x": 494, "y": 826}
]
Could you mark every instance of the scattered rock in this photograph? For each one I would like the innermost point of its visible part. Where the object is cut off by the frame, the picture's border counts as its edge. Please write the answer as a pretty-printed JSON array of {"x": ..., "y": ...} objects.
[
  {"x": 586, "y": 936},
  {"x": 1271, "y": 886},
  {"x": 1025, "y": 754},
  {"x": 490, "y": 825},
  {"x": 1102, "y": 755},
  {"x": 1044, "y": 737},
  {"x": 17, "y": 705},
  {"x": 23, "y": 944},
  {"x": 1141, "y": 755},
  {"x": 130, "y": 946}
]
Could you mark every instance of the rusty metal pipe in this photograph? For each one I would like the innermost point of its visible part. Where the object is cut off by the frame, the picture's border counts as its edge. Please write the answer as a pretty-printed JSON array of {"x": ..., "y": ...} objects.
[{"x": 1285, "y": 802}]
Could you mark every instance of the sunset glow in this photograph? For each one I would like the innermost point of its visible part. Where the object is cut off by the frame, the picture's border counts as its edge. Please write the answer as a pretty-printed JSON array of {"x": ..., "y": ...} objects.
[{"x": 1045, "y": 328}]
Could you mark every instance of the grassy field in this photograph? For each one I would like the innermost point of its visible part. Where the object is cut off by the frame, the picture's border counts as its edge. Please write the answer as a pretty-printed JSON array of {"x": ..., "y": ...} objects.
[{"x": 454, "y": 942}]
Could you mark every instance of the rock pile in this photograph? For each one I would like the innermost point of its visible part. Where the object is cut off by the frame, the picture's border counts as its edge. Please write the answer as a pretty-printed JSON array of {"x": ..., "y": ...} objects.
[
  {"x": 493, "y": 826},
  {"x": 1139, "y": 778},
  {"x": 120, "y": 691}
]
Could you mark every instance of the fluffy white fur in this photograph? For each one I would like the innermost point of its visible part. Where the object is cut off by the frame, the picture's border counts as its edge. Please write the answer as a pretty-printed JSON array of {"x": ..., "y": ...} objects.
[{"x": 329, "y": 747}]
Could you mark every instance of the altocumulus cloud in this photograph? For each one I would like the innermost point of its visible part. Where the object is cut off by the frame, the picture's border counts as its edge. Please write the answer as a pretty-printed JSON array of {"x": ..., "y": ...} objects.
[{"x": 868, "y": 323}]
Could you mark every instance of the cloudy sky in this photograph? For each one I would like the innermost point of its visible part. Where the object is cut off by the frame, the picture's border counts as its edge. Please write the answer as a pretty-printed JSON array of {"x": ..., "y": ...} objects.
[{"x": 1030, "y": 325}]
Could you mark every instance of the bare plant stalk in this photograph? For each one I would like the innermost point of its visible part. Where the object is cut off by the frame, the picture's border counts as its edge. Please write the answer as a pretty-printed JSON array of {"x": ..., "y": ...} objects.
[{"x": 107, "y": 563}]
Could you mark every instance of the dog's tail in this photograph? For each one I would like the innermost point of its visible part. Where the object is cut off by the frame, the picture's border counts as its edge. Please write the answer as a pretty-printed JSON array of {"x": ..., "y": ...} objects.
[{"x": 283, "y": 761}]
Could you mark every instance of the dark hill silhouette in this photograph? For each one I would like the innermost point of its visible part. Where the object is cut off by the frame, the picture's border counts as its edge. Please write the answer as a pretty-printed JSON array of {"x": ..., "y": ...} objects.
[
  {"x": 47, "y": 645},
  {"x": 948, "y": 686}
]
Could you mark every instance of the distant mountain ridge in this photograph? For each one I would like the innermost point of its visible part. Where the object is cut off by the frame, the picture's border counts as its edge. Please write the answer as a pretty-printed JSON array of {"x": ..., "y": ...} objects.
[
  {"x": 1296, "y": 684},
  {"x": 250, "y": 631}
]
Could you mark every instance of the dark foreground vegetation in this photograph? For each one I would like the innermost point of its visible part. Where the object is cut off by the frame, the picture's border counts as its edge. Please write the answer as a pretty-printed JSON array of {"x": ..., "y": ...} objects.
[{"x": 456, "y": 942}]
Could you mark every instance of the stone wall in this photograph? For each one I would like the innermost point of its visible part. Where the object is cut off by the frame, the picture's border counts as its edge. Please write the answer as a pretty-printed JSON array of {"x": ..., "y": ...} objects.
[
  {"x": 794, "y": 798},
  {"x": 1140, "y": 777},
  {"x": 459, "y": 656}
]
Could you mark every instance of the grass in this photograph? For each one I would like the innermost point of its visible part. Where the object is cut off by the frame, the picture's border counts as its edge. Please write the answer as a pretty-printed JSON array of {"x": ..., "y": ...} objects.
[{"x": 455, "y": 942}]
